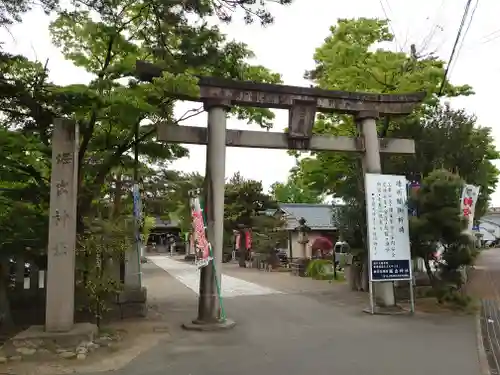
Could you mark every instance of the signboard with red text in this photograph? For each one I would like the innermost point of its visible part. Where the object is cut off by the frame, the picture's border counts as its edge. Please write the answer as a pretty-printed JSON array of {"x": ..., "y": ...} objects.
[{"x": 470, "y": 194}]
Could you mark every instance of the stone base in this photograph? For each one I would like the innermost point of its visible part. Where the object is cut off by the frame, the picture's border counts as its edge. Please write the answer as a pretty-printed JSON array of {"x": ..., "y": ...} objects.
[
  {"x": 133, "y": 295},
  {"x": 388, "y": 310},
  {"x": 132, "y": 303},
  {"x": 37, "y": 337},
  {"x": 197, "y": 325}
]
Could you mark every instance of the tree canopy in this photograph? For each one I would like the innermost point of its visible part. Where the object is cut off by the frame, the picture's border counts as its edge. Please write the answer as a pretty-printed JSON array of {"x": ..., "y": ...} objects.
[
  {"x": 106, "y": 38},
  {"x": 439, "y": 228},
  {"x": 294, "y": 191},
  {"x": 352, "y": 58},
  {"x": 115, "y": 111}
]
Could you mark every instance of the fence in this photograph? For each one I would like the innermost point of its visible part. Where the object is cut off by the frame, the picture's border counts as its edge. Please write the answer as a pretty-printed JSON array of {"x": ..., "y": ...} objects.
[
  {"x": 25, "y": 276},
  {"x": 26, "y": 289}
]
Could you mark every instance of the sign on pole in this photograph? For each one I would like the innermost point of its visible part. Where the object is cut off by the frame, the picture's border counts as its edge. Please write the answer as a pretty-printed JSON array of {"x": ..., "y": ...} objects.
[
  {"x": 413, "y": 188},
  {"x": 388, "y": 232},
  {"x": 137, "y": 211}
]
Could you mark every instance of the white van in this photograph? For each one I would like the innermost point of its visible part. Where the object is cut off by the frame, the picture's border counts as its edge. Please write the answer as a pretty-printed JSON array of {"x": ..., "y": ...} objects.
[{"x": 341, "y": 247}]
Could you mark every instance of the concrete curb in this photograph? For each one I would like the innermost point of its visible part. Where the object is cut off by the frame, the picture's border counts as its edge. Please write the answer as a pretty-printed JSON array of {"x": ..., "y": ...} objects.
[{"x": 481, "y": 353}]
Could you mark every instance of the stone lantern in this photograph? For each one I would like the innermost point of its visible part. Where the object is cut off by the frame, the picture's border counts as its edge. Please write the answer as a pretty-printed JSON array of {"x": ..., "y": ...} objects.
[{"x": 303, "y": 239}]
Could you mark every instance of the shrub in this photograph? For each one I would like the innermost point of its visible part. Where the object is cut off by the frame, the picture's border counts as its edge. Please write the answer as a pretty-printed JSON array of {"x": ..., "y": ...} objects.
[
  {"x": 100, "y": 248},
  {"x": 319, "y": 269}
]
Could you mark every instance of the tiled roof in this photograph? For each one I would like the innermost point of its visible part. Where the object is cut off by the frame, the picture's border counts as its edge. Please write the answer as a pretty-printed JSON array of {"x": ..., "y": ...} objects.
[{"x": 318, "y": 216}]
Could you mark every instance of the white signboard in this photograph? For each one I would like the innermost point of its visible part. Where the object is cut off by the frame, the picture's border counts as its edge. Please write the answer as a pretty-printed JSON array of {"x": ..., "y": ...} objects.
[
  {"x": 388, "y": 233},
  {"x": 470, "y": 194}
]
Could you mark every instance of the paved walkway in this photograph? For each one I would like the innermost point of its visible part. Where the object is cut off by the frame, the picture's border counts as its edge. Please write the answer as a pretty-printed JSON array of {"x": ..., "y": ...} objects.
[
  {"x": 189, "y": 275},
  {"x": 300, "y": 333},
  {"x": 485, "y": 285}
]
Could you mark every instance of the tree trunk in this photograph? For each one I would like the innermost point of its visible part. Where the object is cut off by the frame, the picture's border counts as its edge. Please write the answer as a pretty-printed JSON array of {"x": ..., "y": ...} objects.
[
  {"x": 117, "y": 196},
  {"x": 242, "y": 258},
  {"x": 5, "y": 312}
]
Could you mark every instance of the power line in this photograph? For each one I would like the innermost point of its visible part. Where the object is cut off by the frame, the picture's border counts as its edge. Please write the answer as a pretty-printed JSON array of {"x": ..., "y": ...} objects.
[
  {"x": 493, "y": 33},
  {"x": 388, "y": 6},
  {"x": 491, "y": 37},
  {"x": 435, "y": 27},
  {"x": 465, "y": 33},
  {"x": 389, "y": 23},
  {"x": 459, "y": 33},
  {"x": 488, "y": 38}
]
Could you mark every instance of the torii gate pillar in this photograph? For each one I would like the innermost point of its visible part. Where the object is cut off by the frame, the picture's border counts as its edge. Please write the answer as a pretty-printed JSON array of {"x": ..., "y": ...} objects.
[
  {"x": 384, "y": 291},
  {"x": 209, "y": 312}
]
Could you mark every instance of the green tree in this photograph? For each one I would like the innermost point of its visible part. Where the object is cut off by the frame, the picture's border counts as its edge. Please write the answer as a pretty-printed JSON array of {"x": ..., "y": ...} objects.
[
  {"x": 449, "y": 139},
  {"x": 245, "y": 205},
  {"x": 107, "y": 45},
  {"x": 11, "y": 11},
  {"x": 106, "y": 38},
  {"x": 244, "y": 201},
  {"x": 294, "y": 191},
  {"x": 353, "y": 58},
  {"x": 167, "y": 195},
  {"x": 23, "y": 209},
  {"x": 440, "y": 226}
]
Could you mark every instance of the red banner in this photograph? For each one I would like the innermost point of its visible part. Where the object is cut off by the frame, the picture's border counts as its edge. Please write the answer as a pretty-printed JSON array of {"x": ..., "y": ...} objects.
[
  {"x": 248, "y": 240},
  {"x": 201, "y": 242}
]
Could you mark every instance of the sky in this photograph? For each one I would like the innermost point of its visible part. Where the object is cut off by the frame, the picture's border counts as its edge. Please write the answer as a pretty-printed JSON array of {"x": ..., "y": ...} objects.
[{"x": 287, "y": 47}]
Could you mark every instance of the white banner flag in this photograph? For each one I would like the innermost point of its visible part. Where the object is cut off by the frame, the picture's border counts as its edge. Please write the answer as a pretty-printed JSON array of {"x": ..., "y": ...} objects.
[{"x": 470, "y": 194}]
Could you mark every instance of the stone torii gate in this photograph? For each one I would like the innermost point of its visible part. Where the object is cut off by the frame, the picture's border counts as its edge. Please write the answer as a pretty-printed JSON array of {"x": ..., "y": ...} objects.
[{"x": 218, "y": 95}]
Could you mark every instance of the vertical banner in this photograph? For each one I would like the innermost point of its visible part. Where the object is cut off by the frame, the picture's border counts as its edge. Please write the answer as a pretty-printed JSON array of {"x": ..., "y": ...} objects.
[
  {"x": 412, "y": 187},
  {"x": 388, "y": 229},
  {"x": 237, "y": 239},
  {"x": 248, "y": 239},
  {"x": 236, "y": 244},
  {"x": 470, "y": 194},
  {"x": 137, "y": 203},
  {"x": 137, "y": 217},
  {"x": 202, "y": 247}
]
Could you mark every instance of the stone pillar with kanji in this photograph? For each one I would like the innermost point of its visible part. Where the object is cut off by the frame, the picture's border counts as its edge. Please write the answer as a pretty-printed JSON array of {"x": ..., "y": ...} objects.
[{"x": 60, "y": 303}]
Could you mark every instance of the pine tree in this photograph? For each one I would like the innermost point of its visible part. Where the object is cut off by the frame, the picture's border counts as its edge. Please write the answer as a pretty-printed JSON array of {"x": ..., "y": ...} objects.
[{"x": 441, "y": 226}]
